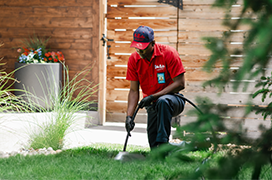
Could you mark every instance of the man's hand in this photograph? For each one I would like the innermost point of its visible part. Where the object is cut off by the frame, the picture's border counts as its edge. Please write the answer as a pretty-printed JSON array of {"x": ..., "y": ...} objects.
[
  {"x": 129, "y": 124},
  {"x": 146, "y": 101}
]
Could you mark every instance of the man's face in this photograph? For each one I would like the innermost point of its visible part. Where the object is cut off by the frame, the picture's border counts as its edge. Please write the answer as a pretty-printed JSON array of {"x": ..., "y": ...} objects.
[{"x": 147, "y": 52}]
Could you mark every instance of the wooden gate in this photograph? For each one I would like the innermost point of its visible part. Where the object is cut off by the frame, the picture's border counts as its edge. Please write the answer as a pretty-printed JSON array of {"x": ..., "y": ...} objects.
[{"x": 182, "y": 29}]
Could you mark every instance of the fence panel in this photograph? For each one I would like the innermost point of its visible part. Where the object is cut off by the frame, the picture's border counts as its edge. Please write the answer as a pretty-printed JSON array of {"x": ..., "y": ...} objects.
[{"x": 183, "y": 30}]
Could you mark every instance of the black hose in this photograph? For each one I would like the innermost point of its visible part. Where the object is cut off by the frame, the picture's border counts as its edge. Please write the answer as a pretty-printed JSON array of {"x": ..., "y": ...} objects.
[{"x": 185, "y": 99}]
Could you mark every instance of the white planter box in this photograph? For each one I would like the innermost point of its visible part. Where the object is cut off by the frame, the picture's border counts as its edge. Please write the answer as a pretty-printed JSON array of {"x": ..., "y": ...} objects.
[{"x": 15, "y": 128}]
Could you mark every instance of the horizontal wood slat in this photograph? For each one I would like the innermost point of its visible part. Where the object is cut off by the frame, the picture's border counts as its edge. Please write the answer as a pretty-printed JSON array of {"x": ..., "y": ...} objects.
[
  {"x": 113, "y": 83},
  {"x": 235, "y": 113},
  {"x": 124, "y": 12},
  {"x": 192, "y": 74},
  {"x": 155, "y": 2},
  {"x": 115, "y": 107},
  {"x": 225, "y": 98},
  {"x": 121, "y": 117},
  {"x": 41, "y": 3},
  {"x": 170, "y": 24},
  {"x": 53, "y": 43},
  {"x": 131, "y": 24},
  {"x": 171, "y": 36},
  {"x": 233, "y": 116},
  {"x": 229, "y": 98},
  {"x": 188, "y": 61},
  {"x": 54, "y": 22},
  {"x": 191, "y": 12},
  {"x": 183, "y": 49},
  {"x": 36, "y": 11},
  {"x": 195, "y": 74},
  {"x": 77, "y": 33},
  {"x": 190, "y": 87}
]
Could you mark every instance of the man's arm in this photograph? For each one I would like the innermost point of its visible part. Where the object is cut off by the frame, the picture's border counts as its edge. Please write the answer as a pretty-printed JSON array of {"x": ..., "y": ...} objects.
[
  {"x": 176, "y": 86},
  {"x": 133, "y": 97}
]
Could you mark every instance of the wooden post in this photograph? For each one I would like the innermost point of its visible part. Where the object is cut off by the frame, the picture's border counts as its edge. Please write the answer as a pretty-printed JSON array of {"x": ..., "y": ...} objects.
[{"x": 102, "y": 65}]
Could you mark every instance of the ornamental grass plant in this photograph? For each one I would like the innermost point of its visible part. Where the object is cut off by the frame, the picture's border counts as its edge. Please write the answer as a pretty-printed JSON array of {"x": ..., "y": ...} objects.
[
  {"x": 59, "y": 107},
  {"x": 73, "y": 97},
  {"x": 8, "y": 101}
]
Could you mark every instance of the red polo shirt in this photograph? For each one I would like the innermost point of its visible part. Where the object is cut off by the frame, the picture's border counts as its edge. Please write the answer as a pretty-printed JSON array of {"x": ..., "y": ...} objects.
[{"x": 156, "y": 74}]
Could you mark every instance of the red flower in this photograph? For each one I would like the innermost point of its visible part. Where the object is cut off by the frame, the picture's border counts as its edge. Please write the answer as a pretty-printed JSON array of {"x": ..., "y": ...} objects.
[
  {"x": 55, "y": 60},
  {"x": 50, "y": 59},
  {"x": 26, "y": 50}
]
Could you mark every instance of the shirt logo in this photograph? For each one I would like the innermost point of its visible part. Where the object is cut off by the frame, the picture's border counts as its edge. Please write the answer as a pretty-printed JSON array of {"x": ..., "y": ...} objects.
[{"x": 159, "y": 67}]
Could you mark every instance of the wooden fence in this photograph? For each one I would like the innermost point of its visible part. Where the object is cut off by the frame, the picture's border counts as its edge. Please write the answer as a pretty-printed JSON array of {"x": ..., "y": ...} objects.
[{"x": 182, "y": 29}]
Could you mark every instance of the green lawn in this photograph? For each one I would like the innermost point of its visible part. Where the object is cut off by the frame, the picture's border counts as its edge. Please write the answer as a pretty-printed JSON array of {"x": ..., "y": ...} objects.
[{"x": 97, "y": 162}]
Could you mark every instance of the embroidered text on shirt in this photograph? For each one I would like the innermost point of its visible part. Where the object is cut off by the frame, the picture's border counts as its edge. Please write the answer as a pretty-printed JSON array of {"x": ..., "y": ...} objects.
[{"x": 159, "y": 67}]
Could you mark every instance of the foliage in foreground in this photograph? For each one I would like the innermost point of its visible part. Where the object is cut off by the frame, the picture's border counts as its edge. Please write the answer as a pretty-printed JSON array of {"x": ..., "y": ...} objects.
[
  {"x": 255, "y": 56},
  {"x": 97, "y": 162}
]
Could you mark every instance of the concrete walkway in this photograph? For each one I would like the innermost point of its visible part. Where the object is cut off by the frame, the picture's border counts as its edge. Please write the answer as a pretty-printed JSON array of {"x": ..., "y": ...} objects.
[{"x": 113, "y": 133}]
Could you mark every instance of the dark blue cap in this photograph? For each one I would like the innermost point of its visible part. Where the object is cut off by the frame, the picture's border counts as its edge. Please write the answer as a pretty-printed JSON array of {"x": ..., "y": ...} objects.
[{"x": 142, "y": 36}]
